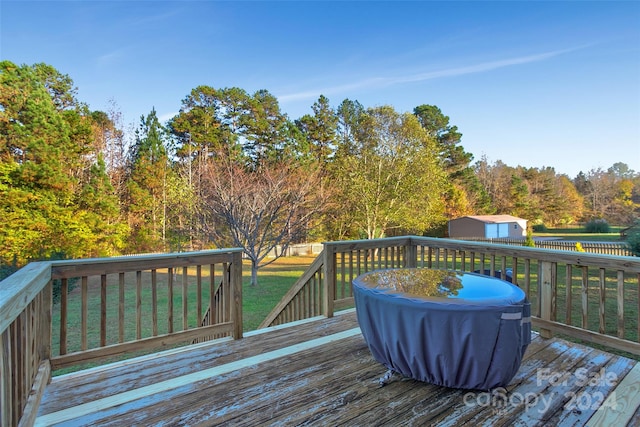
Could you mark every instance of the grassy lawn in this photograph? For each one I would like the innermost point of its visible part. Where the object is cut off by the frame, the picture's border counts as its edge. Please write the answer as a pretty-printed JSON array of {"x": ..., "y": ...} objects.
[{"x": 579, "y": 234}]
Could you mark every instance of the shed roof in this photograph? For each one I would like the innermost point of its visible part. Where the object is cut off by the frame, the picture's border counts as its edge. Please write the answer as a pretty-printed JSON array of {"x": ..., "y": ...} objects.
[{"x": 493, "y": 219}]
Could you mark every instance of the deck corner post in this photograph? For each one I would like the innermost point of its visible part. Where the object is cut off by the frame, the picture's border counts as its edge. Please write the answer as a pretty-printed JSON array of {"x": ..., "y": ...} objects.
[
  {"x": 545, "y": 284},
  {"x": 236, "y": 294},
  {"x": 411, "y": 254},
  {"x": 329, "y": 283}
]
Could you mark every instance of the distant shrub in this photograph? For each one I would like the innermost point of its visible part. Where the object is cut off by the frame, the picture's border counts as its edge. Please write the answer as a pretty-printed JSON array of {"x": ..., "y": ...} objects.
[
  {"x": 7, "y": 270},
  {"x": 633, "y": 239},
  {"x": 528, "y": 241},
  {"x": 597, "y": 226},
  {"x": 540, "y": 228}
]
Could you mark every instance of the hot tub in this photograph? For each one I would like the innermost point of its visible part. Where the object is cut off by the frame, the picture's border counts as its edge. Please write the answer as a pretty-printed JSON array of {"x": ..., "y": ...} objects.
[{"x": 460, "y": 330}]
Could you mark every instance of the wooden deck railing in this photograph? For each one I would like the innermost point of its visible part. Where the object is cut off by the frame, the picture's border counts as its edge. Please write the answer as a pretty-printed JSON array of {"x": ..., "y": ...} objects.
[
  {"x": 591, "y": 297},
  {"x": 142, "y": 303},
  {"x": 119, "y": 305},
  {"x": 25, "y": 315}
]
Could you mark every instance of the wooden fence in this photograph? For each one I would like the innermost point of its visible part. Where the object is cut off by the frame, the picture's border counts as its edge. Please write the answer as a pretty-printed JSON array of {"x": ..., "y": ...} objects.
[{"x": 608, "y": 248}]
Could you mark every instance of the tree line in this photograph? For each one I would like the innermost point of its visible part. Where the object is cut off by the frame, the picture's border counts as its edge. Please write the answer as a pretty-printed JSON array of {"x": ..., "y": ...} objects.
[{"x": 231, "y": 169}]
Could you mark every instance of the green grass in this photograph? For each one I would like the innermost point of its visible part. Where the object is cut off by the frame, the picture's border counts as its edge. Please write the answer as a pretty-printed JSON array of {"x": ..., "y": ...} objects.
[{"x": 579, "y": 234}]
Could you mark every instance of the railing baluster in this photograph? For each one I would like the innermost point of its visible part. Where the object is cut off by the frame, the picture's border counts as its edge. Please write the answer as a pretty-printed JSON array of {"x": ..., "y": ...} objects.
[
  {"x": 568, "y": 296},
  {"x": 342, "y": 274},
  {"x": 492, "y": 265},
  {"x": 638, "y": 307},
  {"x": 138, "y": 304},
  {"x": 169, "y": 300},
  {"x": 154, "y": 301},
  {"x": 527, "y": 280},
  {"x": 212, "y": 290},
  {"x": 545, "y": 293},
  {"x": 601, "y": 294},
  {"x": 121, "y": 307},
  {"x": 103, "y": 310},
  {"x": 185, "y": 302},
  {"x": 84, "y": 315},
  {"x": 620, "y": 298},
  {"x": 585, "y": 297},
  {"x": 199, "y": 292},
  {"x": 351, "y": 276},
  {"x": 64, "y": 309}
]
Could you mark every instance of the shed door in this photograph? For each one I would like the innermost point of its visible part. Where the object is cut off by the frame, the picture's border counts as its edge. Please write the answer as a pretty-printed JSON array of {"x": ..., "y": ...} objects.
[
  {"x": 503, "y": 230},
  {"x": 491, "y": 231}
]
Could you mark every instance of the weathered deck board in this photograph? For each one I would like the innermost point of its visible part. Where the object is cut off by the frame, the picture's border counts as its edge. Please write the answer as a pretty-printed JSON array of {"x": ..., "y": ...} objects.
[
  {"x": 75, "y": 389},
  {"x": 322, "y": 373}
]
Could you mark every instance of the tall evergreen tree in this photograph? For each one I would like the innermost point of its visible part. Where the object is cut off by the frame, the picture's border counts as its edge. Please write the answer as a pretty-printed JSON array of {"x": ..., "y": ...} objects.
[
  {"x": 147, "y": 185},
  {"x": 465, "y": 195},
  {"x": 320, "y": 129},
  {"x": 46, "y": 159}
]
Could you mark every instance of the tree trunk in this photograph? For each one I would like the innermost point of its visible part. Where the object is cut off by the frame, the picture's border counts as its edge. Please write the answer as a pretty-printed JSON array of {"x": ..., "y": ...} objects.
[{"x": 254, "y": 272}]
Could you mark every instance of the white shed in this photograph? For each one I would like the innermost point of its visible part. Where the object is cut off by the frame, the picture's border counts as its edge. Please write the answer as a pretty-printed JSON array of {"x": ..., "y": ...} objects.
[{"x": 488, "y": 226}]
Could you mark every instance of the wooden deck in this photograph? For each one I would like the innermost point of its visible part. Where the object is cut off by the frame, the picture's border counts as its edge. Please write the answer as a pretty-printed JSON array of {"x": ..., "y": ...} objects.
[{"x": 320, "y": 372}]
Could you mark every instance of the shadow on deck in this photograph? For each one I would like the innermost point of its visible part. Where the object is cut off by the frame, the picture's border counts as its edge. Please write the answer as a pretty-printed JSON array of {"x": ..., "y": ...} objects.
[{"x": 320, "y": 372}]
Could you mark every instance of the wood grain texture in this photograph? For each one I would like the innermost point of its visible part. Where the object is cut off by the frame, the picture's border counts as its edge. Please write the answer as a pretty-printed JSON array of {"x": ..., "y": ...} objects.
[{"x": 317, "y": 372}]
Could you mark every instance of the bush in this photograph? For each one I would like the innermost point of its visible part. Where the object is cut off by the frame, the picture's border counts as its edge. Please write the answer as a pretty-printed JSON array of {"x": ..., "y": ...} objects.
[
  {"x": 540, "y": 228},
  {"x": 528, "y": 241},
  {"x": 597, "y": 226},
  {"x": 6, "y": 271},
  {"x": 633, "y": 239}
]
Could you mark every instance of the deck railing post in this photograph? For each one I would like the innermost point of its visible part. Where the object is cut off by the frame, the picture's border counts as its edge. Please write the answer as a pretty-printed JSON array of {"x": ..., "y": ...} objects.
[
  {"x": 545, "y": 293},
  {"x": 329, "y": 284},
  {"x": 236, "y": 293},
  {"x": 411, "y": 254}
]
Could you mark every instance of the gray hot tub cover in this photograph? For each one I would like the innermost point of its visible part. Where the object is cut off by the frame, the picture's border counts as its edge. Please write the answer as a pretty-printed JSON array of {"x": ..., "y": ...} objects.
[{"x": 448, "y": 342}]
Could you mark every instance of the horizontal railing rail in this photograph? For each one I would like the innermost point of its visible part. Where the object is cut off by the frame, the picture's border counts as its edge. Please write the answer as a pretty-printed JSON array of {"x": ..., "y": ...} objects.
[{"x": 592, "y": 297}]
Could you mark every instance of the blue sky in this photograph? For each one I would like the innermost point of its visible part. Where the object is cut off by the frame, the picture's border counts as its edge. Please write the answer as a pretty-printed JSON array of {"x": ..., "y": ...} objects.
[{"x": 528, "y": 83}]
